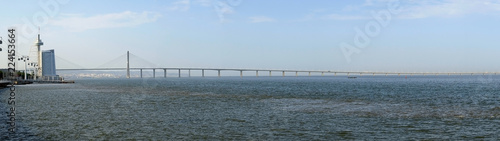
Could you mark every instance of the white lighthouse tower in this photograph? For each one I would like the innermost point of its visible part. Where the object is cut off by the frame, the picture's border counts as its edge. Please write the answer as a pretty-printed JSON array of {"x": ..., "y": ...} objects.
[{"x": 39, "y": 44}]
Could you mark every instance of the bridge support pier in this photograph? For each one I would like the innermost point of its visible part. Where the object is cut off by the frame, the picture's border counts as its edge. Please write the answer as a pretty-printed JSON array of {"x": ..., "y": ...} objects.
[
  {"x": 270, "y": 74},
  {"x": 165, "y": 73},
  {"x": 322, "y": 73},
  {"x": 189, "y": 72},
  {"x": 179, "y": 73},
  {"x": 154, "y": 73},
  {"x": 241, "y": 73},
  {"x": 296, "y": 74},
  {"x": 141, "y": 73},
  {"x": 218, "y": 72},
  {"x": 257, "y": 73},
  {"x": 309, "y": 73},
  {"x": 202, "y": 73},
  {"x": 128, "y": 65},
  {"x": 283, "y": 73}
]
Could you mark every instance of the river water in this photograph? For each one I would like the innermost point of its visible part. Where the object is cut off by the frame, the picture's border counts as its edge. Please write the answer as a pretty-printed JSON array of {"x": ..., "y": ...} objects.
[{"x": 263, "y": 108}]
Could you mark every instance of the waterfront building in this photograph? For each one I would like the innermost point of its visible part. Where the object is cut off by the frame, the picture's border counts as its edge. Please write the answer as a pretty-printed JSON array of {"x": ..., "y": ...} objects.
[{"x": 49, "y": 63}]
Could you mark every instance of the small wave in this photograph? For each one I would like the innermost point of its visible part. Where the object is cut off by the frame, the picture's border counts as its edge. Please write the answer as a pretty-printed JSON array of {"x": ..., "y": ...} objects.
[{"x": 376, "y": 109}]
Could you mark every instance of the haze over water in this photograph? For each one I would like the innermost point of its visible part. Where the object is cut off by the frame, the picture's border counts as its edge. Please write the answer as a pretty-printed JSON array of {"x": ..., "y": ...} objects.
[{"x": 276, "y": 108}]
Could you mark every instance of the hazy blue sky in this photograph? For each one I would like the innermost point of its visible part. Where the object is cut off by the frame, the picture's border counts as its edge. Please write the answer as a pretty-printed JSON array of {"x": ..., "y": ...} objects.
[{"x": 420, "y": 35}]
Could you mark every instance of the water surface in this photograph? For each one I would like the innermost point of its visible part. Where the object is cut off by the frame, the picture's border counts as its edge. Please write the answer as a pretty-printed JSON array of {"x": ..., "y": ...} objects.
[{"x": 264, "y": 108}]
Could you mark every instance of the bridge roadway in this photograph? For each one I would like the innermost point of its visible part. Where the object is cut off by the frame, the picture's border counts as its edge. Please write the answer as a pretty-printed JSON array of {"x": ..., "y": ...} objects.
[{"x": 282, "y": 71}]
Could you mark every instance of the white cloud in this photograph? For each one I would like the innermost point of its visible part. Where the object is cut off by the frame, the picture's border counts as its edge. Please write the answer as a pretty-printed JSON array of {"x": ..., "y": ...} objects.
[
  {"x": 185, "y": 5},
  {"x": 345, "y": 17},
  {"x": 181, "y": 5},
  {"x": 448, "y": 8},
  {"x": 114, "y": 20},
  {"x": 420, "y": 9},
  {"x": 261, "y": 19},
  {"x": 222, "y": 9},
  {"x": 204, "y": 3}
]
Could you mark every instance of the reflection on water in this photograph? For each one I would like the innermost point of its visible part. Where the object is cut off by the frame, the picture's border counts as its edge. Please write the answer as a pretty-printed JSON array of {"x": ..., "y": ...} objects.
[{"x": 444, "y": 107}]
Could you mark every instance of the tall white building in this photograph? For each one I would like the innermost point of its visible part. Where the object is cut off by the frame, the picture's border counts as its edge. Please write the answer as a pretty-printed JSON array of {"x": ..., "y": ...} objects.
[
  {"x": 39, "y": 44},
  {"x": 48, "y": 63}
]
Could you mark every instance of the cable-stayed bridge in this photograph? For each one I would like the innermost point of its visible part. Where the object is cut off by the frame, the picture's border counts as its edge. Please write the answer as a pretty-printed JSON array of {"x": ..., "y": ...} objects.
[{"x": 140, "y": 64}]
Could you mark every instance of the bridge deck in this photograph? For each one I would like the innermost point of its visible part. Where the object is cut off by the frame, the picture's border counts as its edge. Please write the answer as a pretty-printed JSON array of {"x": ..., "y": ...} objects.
[{"x": 285, "y": 71}]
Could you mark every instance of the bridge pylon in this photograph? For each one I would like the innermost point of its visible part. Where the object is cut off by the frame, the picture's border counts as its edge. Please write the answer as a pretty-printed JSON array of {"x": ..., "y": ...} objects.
[{"x": 128, "y": 65}]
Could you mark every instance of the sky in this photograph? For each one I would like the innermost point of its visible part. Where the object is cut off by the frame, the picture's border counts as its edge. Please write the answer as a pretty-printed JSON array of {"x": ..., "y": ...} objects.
[{"x": 354, "y": 35}]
